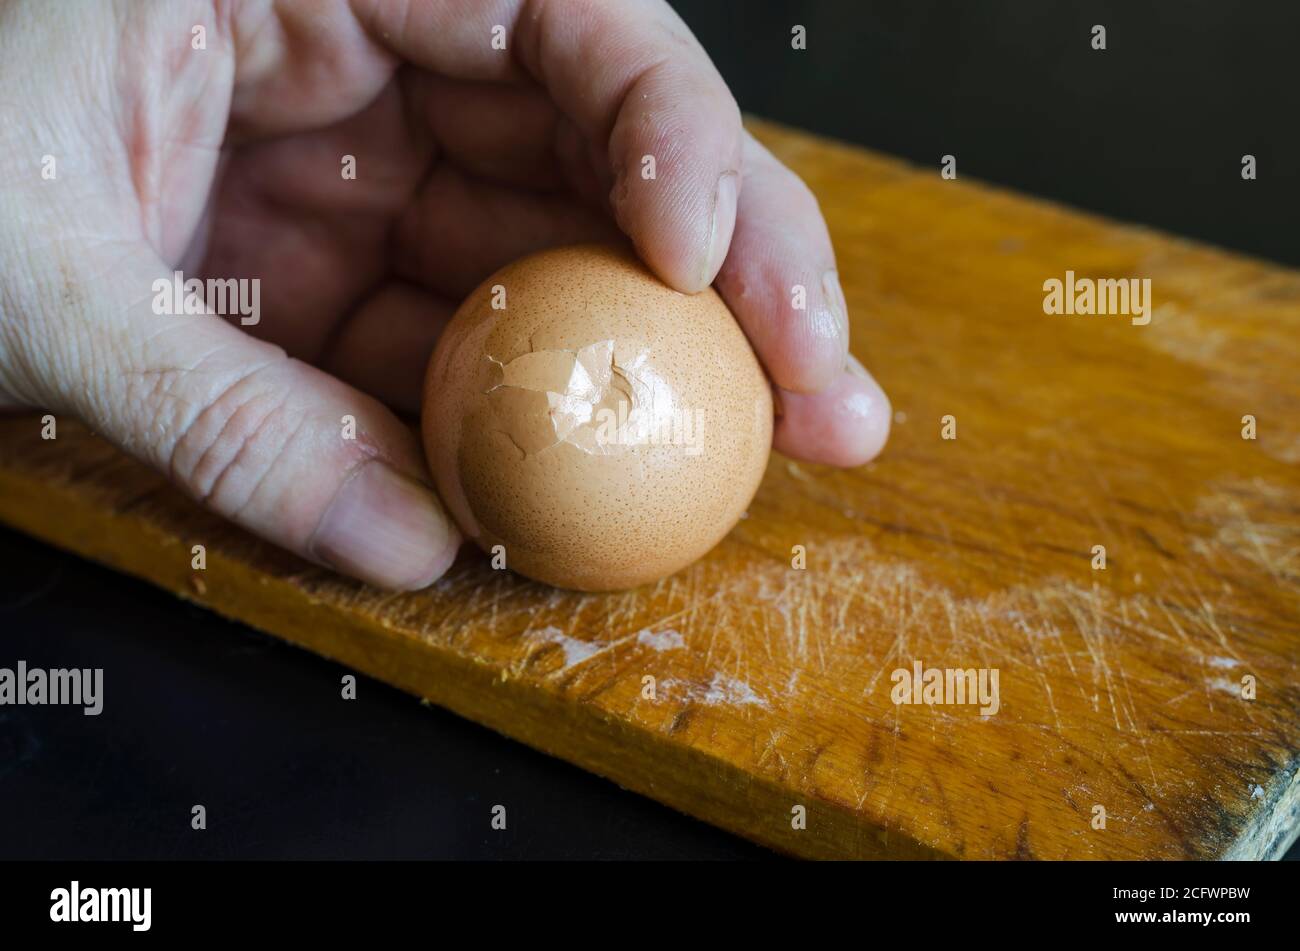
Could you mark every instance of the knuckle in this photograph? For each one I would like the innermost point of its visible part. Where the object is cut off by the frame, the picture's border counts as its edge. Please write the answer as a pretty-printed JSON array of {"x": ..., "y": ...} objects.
[{"x": 230, "y": 449}]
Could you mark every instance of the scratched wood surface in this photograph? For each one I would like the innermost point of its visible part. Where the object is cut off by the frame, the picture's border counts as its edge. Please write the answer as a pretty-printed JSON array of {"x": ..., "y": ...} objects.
[{"x": 1119, "y": 688}]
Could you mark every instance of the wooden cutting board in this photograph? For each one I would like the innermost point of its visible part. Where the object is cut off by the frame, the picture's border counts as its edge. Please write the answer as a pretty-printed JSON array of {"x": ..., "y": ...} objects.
[{"x": 1119, "y": 689}]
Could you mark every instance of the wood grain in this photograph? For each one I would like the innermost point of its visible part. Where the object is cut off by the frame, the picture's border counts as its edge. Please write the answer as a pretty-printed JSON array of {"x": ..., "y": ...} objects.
[{"x": 1118, "y": 688}]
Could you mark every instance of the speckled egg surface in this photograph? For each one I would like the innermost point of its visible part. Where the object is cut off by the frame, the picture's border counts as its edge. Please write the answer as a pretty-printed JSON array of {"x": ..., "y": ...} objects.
[{"x": 602, "y": 428}]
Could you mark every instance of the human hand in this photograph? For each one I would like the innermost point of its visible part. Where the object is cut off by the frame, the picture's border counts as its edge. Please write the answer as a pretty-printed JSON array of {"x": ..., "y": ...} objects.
[{"x": 228, "y": 161}]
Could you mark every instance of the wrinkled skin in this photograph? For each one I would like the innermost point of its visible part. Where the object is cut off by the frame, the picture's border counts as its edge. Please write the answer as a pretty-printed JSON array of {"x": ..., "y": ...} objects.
[{"x": 226, "y": 162}]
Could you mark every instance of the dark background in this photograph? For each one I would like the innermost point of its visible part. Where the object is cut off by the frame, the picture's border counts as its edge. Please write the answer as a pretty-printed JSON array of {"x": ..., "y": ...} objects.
[
  {"x": 1151, "y": 130},
  {"x": 199, "y": 710}
]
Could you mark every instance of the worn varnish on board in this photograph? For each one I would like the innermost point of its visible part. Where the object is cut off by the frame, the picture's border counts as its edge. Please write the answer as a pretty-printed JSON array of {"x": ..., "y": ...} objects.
[{"x": 1119, "y": 688}]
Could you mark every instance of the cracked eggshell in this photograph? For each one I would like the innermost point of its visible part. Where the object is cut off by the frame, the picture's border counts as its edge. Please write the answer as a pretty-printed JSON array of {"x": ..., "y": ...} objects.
[{"x": 602, "y": 427}]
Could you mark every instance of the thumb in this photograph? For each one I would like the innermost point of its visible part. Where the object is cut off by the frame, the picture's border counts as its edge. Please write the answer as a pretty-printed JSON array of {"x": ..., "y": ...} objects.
[{"x": 260, "y": 438}]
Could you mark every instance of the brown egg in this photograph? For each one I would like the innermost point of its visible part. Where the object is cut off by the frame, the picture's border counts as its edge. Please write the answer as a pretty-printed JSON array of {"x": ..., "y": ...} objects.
[{"x": 602, "y": 428}]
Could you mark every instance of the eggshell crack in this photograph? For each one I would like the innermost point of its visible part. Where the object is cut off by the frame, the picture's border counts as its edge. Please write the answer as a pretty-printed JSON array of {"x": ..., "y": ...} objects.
[{"x": 545, "y": 397}]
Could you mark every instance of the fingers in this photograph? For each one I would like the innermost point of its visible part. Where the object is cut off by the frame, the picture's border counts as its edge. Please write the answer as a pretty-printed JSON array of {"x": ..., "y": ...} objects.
[
  {"x": 495, "y": 131},
  {"x": 299, "y": 65},
  {"x": 780, "y": 279},
  {"x": 628, "y": 76},
  {"x": 281, "y": 448},
  {"x": 635, "y": 77},
  {"x": 311, "y": 269},
  {"x": 781, "y": 283},
  {"x": 511, "y": 135},
  {"x": 310, "y": 216},
  {"x": 459, "y": 230},
  {"x": 384, "y": 347},
  {"x": 846, "y": 424}
]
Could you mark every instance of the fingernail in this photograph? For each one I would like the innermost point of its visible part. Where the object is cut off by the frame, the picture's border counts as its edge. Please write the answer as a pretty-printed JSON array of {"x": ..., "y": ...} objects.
[
  {"x": 835, "y": 300},
  {"x": 721, "y": 227},
  {"x": 387, "y": 529}
]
